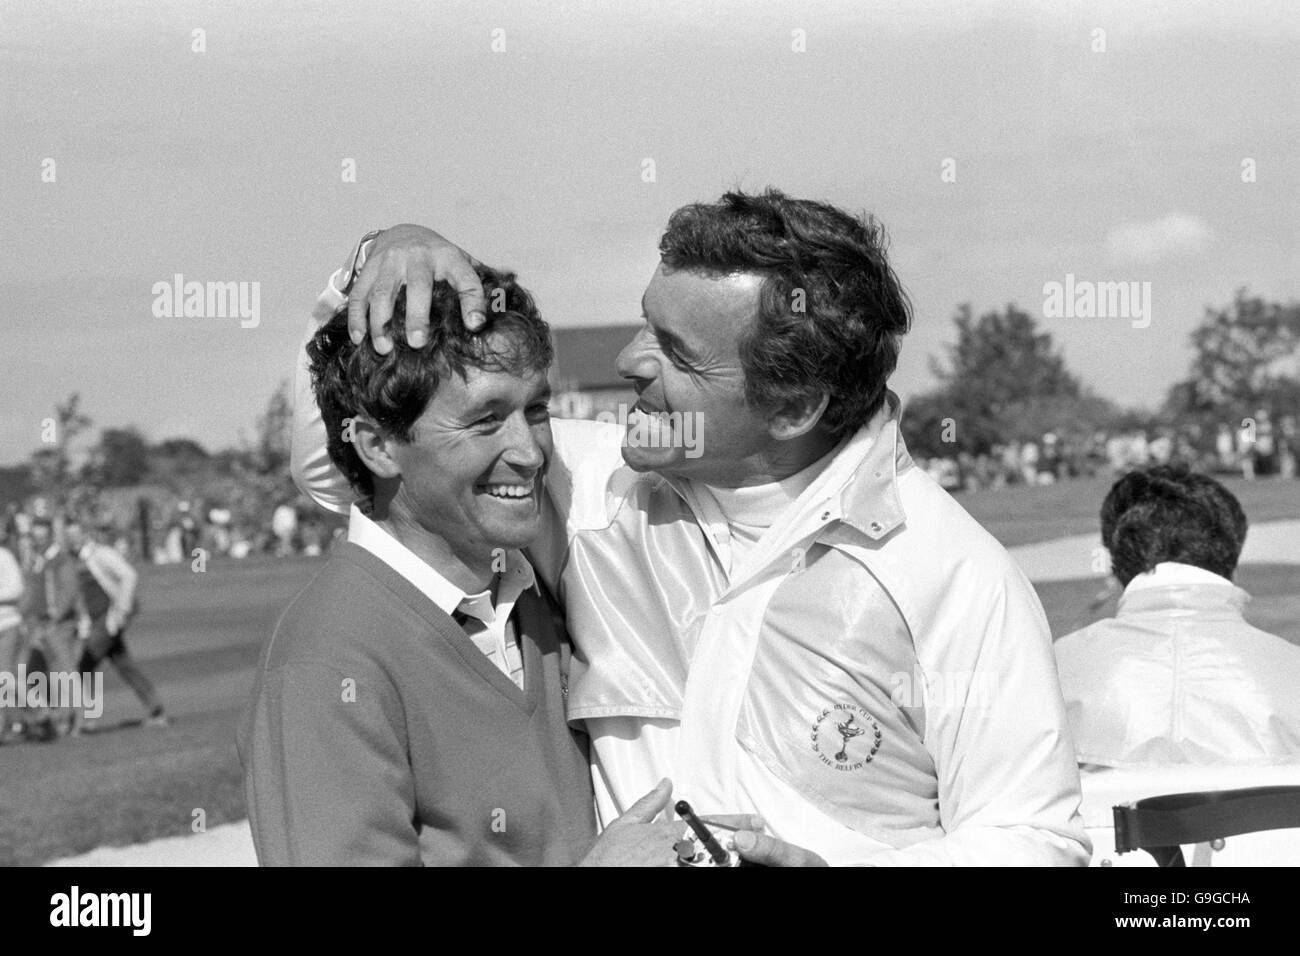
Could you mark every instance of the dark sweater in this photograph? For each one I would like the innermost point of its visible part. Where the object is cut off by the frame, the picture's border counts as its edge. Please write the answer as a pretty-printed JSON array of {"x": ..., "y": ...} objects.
[{"x": 378, "y": 733}]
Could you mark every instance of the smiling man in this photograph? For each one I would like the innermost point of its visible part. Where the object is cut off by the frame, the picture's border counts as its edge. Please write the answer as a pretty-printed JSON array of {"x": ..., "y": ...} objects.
[
  {"x": 767, "y": 621},
  {"x": 410, "y": 706}
]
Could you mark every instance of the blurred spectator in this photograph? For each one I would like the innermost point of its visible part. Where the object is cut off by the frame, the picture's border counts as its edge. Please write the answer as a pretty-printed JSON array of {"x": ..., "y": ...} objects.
[
  {"x": 1049, "y": 462},
  {"x": 50, "y": 609},
  {"x": 107, "y": 588},
  {"x": 1178, "y": 676},
  {"x": 1288, "y": 448},
  {"x": 311, "y": 537},
  {"x": 1223, "y": 447},
  {"x": 1010, "y": 462},
  {"x": 1246, "y": 451},
  {"x": 11, "y": 621},
  {"x": 284, "y": 523},
  {"x": 1161, "y": 448},
  {"x": 173, "y": 548},
  {"x": 220, "y": 521},
  {"x": 1265, "y": 449},
  {"x": 190, "y": 530},
  {"x": 1029, "y": 463}
]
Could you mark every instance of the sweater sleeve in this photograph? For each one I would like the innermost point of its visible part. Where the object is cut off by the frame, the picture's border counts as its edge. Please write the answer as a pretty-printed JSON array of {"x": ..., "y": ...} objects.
[
  {"x": 310, "y": 465},
  {"x": 326, "y": 775}
]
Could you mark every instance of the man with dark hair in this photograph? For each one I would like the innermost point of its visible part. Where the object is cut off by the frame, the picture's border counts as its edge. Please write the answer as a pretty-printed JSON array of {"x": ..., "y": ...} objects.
[
  {"x": 788, "y": 618},
  {"x": 1169, "y": 513},
  {"x": 831, "y": 313},
  {"x": 1178, "y": 676},
  {"x": 410, "y": 706}
]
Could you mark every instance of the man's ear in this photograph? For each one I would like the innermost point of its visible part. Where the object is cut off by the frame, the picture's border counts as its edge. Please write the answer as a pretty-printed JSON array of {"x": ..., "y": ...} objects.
[
  {"x": 374, "y": 447},
  {"x": 798, "y": 416}
]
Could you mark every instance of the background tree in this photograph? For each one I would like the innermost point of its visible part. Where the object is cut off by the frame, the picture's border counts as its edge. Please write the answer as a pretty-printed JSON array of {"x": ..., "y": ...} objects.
[
  {"x": 178, "y": 463},
  {"x": 271, "y": 447},
  {"x": 122, "y": 457},
  {"x": 1003, "y": 379},
  {"x": 258, "y": 475},
  {"x": 51, "y": 466},
  {"x": 1245, "y": 359},
  {"x": 923, "y": 421}
]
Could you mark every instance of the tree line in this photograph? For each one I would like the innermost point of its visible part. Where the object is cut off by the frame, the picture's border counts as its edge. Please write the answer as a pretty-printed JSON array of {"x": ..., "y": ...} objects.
[{"x": 1004, "y": 380}]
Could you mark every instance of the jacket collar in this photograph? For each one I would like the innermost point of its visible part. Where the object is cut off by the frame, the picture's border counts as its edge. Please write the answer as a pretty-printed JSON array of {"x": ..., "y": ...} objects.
[
  {"x": 862, "y": 479},
  {"x": 1225, "y": 598},
  {"x": 873, "y": 460},
  {"x": 1174, "y": 572}
]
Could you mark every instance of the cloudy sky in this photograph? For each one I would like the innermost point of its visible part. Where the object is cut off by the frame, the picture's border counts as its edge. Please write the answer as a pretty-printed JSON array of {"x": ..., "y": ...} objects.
[{"x": 1101, "y": 140}]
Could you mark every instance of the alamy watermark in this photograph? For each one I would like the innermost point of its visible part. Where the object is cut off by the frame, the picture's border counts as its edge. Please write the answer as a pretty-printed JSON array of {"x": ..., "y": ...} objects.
[
  {"x": 132, "y": 911},
  {"x": 179, "y": 299},
  {"x": 944, "y": 690},
  {"x": 659, "y": 429},
  {"x": 58, "y": 690},
  {"x": 1084, "y": 299}
]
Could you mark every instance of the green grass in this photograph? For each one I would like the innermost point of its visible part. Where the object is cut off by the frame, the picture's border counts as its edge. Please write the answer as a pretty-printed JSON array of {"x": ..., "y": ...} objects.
[{"x": 198, "y": 638}]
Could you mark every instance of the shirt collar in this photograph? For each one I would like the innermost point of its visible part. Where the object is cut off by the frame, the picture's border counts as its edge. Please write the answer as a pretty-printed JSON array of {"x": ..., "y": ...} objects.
[
  {"x": 1173, "y": 572},
  {"x": 1184, "y": 587},
  {"x": 757, "y": 506},
  {"x": 516, "y": 577}
]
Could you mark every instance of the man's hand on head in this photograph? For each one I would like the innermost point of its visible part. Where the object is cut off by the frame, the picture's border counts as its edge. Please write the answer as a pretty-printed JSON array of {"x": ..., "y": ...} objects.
[{"x": 411, "y": 257}]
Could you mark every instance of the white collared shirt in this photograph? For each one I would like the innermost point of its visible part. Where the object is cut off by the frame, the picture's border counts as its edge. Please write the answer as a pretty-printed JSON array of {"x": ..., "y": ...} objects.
[{"x": 512, "y": 582}]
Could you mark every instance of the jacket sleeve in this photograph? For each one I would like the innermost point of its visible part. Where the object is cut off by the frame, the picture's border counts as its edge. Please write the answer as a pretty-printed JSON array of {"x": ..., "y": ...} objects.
[
  {"x": 119, "y": 571},
  {"x": 11, "y": 577},
  {"x": 313, "y": 471},
  {"x": 326, "y": 778},
  {"x": 1008, "y": 783}
]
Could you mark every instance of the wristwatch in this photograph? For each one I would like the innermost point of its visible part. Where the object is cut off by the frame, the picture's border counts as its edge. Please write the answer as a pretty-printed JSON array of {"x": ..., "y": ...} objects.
[{"x": 359, "y": 260}]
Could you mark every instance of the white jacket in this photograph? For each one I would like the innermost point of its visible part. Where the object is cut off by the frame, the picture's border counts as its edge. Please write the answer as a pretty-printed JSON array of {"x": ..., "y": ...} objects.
[
  {"x": 876, "y": 680},
  {"x": 1179, "y": 677},
  {"x": 11, "y": 590}
]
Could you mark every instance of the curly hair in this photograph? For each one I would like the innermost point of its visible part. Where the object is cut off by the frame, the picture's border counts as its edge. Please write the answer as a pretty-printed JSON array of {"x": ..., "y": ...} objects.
[
  {"x": 831, "y": 311},
  {"x": 1170, "y": 513},
  {"x": 393, "y": 390}
]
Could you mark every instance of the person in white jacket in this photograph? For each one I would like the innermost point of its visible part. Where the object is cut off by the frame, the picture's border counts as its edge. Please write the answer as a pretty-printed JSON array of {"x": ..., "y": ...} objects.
[
  {"x": 12, "y": 646},
  {"x": 786, "y": 617},
  {"x": 1177, "y": 676}
]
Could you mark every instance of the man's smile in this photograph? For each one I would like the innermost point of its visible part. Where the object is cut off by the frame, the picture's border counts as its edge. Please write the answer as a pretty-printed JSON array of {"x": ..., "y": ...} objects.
[{"x": 509, "y": 491}]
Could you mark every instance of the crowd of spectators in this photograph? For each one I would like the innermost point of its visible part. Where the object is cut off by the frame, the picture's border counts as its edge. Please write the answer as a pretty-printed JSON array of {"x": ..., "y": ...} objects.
[
  {"x": 172, "y": 531},
  {"x": 1258, "y": 449}
]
